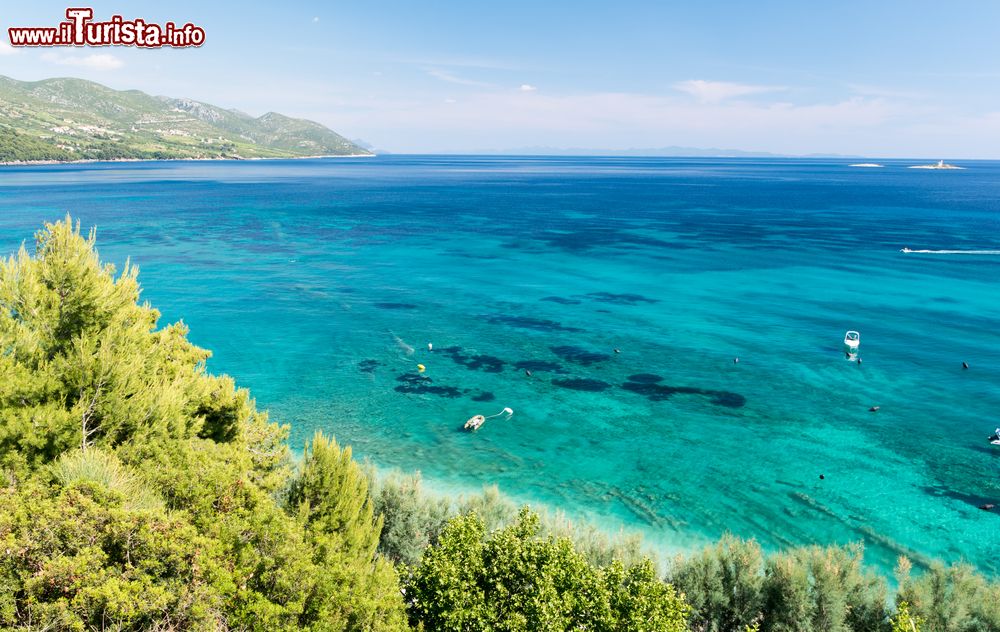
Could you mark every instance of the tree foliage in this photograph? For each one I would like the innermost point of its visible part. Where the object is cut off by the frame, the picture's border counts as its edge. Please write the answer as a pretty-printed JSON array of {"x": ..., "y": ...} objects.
[
  {"x": 723, "y": 583},
  {"x": 903, "y": 621},
  {"x": 514, "y": 579},
  {"x": 142, "y": 492},
  {"x": 950, "y": 598},
  {"x": 732, "y": 585}
]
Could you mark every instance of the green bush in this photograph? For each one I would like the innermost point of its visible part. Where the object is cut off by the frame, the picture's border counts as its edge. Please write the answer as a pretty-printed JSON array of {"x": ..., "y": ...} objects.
[
  {"x": 723, "y": 583},
  {"x": 515, "y": 579},
  {"x": 903, "y": 621},
  {"x": 105, "y": 470},
  {"x": 141, "y": 492},
  {"x": 950, "y": 598},
  {"x": 828, "y": 589},
  {"x": 412, "y": 518}
]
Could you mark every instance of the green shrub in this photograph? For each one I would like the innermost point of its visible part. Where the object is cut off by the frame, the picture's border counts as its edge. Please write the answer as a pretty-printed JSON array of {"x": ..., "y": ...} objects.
[
  {"x": 412, "y": 518},
  {"x": 105, "y": 470},
  {"x": 903, "y": 621},
  {"x": 950, "y": 598},
  {"x": 822, "y": 589},
  {"x": 723, "y": 583},
  {"x": 515, "y": 579},
  {"x": 139, "y": 492}
]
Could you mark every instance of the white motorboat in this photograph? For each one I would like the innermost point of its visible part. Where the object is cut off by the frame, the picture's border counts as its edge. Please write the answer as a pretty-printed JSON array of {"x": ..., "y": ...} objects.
[
  {"x": 852, "y": 340},
  {"x": 995, "y": 438}
]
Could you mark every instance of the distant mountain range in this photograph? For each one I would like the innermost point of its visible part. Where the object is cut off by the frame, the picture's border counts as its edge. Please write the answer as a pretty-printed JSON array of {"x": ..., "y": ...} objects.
[
  {"x": 72, "y": 119},
  {"x": 672, "y": 151}
]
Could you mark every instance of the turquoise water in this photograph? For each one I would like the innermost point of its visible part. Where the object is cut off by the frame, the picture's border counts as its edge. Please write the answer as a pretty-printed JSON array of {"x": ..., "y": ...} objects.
[{"x": 319, "y": 283}]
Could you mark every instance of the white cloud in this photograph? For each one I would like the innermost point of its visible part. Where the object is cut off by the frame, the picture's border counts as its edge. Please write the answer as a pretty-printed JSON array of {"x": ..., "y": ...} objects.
[
  {"x": 451, "y": 101},
  {"x": 7, "y": 49},
  {"x": 315, "y": 19},
  {"x": 527, "y": 87},
  {"x": 444, "y": 75},
  {"x": 717, "y": 91},
  {"x": 888, "y": 93},
  {"x": 95, "y": 61}
]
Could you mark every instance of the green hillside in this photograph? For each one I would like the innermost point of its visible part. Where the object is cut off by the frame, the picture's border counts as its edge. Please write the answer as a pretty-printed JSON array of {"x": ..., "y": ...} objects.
[{"x": 73, "y": 119}]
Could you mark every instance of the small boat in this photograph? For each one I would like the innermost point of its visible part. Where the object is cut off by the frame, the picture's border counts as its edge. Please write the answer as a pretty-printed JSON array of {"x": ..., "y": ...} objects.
[
  {"x": 852, "y": 340},
  {"x": 995, "y": 437},
  {"x": 475, "y": 422}
]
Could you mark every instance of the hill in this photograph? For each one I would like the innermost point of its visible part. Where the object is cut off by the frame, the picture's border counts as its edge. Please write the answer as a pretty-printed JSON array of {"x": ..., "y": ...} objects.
[{"x": 73, "y": 119}]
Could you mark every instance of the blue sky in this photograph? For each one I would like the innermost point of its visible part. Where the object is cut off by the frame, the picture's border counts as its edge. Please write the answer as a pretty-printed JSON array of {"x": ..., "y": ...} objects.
[{"x": 914, "y": 78}]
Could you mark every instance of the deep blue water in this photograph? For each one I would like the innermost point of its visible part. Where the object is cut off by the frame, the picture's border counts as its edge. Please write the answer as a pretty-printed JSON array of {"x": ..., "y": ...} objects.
[{"x": 319, "y": 283}]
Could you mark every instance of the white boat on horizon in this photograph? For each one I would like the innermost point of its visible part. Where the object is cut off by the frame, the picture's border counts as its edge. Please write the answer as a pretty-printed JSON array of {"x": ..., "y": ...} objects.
[{"x": 867, "y": 165}]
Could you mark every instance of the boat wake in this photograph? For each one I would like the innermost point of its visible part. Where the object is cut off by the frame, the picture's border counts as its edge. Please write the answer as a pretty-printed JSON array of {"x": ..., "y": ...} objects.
[{"x": 950, "y": 252}]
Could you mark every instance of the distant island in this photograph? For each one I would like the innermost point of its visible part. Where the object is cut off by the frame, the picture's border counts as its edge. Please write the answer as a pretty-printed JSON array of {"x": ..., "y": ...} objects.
[
  {"x": 65, "y": 120},
  {"x": 938, "y": 165},
  {"x": 673, "y": 151}
]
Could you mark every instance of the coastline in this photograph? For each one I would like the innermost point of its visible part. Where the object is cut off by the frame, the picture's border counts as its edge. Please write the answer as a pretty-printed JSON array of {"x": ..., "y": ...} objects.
[
  {"x": 660, "y": 549},
  {"x": 29, "y": 163}
]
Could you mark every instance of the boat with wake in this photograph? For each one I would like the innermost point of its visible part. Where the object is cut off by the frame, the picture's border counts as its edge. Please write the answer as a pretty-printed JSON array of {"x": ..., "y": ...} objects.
[{"x": 476, "y": 421}]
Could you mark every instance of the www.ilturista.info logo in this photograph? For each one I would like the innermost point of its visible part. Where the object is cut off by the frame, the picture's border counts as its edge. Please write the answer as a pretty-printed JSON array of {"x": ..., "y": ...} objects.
[{"x": 79, "y": 29}]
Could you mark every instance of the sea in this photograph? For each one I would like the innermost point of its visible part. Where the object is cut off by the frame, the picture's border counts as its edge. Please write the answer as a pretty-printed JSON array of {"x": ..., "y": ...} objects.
[{"x": 668, "y": 332}]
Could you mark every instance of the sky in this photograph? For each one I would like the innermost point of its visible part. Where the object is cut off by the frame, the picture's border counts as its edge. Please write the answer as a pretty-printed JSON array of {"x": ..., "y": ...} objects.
[{"x": 876, "y": 78}]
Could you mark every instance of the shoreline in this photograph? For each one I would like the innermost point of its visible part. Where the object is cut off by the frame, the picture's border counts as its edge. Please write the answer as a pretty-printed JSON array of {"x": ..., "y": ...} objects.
[
  {"x": 657, "y": 546},
  {"x": 84, "y": 161}
]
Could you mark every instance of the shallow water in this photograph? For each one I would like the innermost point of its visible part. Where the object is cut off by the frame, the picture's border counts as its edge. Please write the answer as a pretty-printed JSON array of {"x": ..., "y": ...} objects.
[{"x": 319, "y": 283}]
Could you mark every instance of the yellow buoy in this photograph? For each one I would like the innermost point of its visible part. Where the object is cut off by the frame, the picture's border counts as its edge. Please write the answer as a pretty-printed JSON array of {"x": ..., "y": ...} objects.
[{"x": 421, "y": 368}]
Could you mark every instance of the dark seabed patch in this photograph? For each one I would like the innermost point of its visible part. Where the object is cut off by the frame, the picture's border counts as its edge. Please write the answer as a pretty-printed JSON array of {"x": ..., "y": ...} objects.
[
  {"x": 579, "y": 355},
  {"x": 648, "y": 387},
  {"x": 414, "y": 384},
  {"x": 537, "y": 324},
  {"x": 368, "y": 366},
  {"x": 479, "y": 362},
  {"x": 645, "y": 378},
  {"x": 395, "y": 305},
  {"x": 620, "y": 299},
  {"x": 484, "y": 396},
  {"x": 973, "y": 499},
  {"x": 582, "y": 384},
  {"x": 561, "y": 300},
  {"x": 599, "y": 236},
  {"x": 539, "y": 365}
]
